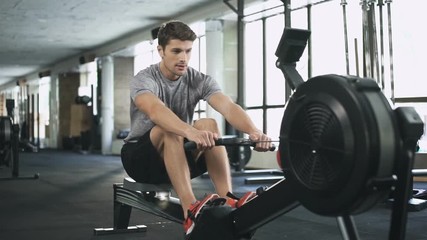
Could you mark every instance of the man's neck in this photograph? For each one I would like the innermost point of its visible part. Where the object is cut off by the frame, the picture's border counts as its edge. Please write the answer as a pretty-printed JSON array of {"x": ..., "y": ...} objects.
[{"x": 167, "y": 73}]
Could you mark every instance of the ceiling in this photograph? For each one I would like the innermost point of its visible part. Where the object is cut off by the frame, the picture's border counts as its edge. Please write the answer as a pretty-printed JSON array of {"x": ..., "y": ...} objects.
[{"x": 35, "y": 34}]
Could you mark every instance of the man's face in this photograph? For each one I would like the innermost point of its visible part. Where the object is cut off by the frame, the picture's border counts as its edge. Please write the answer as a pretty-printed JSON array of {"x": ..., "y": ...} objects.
[{"x": 175, "y": 58}]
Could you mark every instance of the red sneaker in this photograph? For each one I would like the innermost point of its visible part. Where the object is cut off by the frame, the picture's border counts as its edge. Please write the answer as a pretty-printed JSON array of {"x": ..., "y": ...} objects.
[
  {"x": 236, "y": 202},
  {"x": 193, "y": 213}
]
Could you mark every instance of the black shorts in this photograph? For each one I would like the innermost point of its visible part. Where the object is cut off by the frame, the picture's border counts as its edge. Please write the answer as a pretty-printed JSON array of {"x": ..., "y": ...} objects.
[{"x": 143, "y": 163}]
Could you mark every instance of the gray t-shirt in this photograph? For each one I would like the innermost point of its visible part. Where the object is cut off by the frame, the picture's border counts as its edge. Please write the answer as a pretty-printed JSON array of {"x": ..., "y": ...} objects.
[{"x": 181, "y": 96}]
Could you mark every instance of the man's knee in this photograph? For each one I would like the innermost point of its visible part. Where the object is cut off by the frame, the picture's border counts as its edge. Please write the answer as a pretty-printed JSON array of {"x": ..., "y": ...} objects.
[
  {"x": 206, "y": 124},
  {"x": 172, "y": 138},
  {"x": 160, "y": 138}
]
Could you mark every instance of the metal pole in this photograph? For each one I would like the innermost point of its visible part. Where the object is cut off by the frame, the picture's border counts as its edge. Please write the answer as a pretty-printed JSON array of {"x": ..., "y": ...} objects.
[
  {"x": 264, "y": 73},
  {"x": 373, "y": 41},
  {"x": 33, "y": 113},
  {"x": 390, "y": 45},
  {"x": 356, "y": 56},
  {"x": 311, "y": 3},
  {"x": 287, "y": 15},
  {"x": 380, "y": 7},
  {"x": 28, "y": 118},
  {"x": 370, "y": 40},
  {"x": 240, "y": 54},
  {"x": 38, "y": 121},
  {"x": 309, "y": 60},
  {"x": 347, "y": 227},
  {"x": 344, "y": 13},
  {"x": 365, "y": 44}
]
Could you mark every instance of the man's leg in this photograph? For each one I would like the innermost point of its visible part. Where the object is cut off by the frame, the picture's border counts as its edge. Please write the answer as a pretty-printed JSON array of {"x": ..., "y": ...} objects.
[
  {"x": 170, "y": 147},
  {"x": 216, "y": 160}
]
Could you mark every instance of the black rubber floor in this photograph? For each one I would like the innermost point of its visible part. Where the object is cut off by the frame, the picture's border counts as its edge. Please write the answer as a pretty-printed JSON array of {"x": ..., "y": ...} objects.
[{"x": 74, "y": 195}]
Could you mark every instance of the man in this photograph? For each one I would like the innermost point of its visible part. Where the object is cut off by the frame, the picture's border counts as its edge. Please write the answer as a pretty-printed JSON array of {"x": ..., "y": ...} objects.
[{"x": 163, "y": 99}]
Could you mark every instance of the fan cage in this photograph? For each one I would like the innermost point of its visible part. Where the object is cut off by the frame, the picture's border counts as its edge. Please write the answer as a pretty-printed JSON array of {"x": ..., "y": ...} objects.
[{"x": 317, "y": 144}]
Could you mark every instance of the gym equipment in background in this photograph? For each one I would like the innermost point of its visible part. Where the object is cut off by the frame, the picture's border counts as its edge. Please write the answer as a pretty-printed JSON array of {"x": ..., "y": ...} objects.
[{"x": 9, "y": 143}]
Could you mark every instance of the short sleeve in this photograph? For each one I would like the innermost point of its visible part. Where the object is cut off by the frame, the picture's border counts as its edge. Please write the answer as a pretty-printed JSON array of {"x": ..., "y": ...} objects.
[{"x": 142, "y": 83}]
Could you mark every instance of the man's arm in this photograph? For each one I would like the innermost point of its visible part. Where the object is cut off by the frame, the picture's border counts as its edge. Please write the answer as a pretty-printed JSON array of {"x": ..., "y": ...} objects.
[
  {"x": 239, "y": 119},
  {"x": 165, "y": 118}
]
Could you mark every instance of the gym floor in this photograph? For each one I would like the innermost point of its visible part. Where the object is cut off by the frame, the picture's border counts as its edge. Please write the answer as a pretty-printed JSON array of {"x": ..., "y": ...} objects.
[{"x": 74, "y": 195}]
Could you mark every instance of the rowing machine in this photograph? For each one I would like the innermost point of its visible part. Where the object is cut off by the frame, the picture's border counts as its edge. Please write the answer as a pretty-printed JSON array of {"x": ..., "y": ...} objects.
[{"x": 343, "y": 150}]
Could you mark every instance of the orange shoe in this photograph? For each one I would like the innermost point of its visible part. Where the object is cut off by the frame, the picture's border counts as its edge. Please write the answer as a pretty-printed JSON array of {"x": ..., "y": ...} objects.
[
  {"x": 193, "y": 213},
  {"x": 236, "y": 202}
]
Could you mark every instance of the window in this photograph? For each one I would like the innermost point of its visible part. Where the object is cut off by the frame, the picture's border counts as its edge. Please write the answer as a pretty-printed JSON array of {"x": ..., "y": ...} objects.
[
  {"x": 146, "y": 54},
  {"x": 275, "y": 82},
  {"x": 254, "y": 66},
  {"x": 264, "y": 82}
]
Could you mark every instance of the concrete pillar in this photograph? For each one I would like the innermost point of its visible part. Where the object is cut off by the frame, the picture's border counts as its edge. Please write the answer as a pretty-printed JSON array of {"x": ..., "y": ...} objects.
[
  {"x": 54, "y": 112},
  {"x": 123, "y": 73},
  {"x": 107, "y": 104},
  {"x": 215, "y": 63}
]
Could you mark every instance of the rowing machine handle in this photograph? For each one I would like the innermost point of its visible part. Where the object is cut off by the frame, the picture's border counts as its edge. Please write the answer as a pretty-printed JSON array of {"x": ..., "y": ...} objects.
[
  {"x": 190, "y": 146},
  {"x": 226, "y": 142}
]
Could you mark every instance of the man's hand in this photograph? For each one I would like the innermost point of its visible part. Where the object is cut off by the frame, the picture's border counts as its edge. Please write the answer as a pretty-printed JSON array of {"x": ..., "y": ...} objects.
[
  {"x": 204, "y": 139},
  {"x": 263, "y": 142}
]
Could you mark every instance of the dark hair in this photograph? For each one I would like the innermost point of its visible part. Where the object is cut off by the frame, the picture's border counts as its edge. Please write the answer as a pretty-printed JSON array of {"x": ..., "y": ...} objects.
[{"x": 174, "y": 30}]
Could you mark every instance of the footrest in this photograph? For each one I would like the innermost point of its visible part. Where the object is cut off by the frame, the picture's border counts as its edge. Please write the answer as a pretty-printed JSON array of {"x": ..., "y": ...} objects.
[
  {"x": 131, "y": 229},
  {"x": 216, "y": 222}
]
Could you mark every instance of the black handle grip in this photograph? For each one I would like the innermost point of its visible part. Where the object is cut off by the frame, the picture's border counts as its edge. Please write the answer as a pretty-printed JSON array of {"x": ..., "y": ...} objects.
[
  {"x": 272, "y": 148},
  {"x": 190, "y": 146},
  {"x": 226, "y": 142}
]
